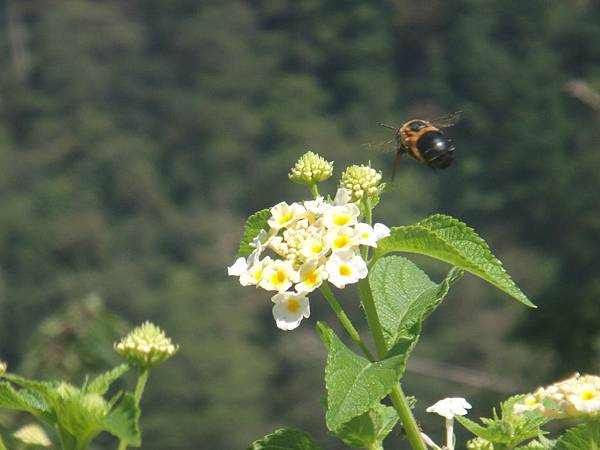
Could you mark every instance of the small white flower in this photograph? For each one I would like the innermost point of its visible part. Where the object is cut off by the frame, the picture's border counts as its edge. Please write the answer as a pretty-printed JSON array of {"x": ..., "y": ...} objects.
[
  {"x": 313, "y": 247},
  {"x": 284, "y": 215},
  {"x": 278, "y": 275},
  {"x": 345, "y": 268},
  {"x": 239, "y": 267},
  {"x": 450, "y": 407},
  {"x": 341, "y": 239},
  {"x": 530, "y": 403},
  {"x": 315, "y": 207},
  {"x": 254, "y": 274},
  {"x": 586, "y": 399},
  {"x": 370, "y": 235},
  {"x": 312, "y": 274},
  {"x": 341, "y": 216},
  {"x": 290, "y": 309}
]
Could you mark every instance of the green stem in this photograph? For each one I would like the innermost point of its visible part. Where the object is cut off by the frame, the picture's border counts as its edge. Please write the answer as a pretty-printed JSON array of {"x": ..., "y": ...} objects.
[
  {"x": 397, "y": 395},
  {"x": 372, "y": 318},
  {"x": 406, "y": 417},
  {"x": 137, "y": 395},
  {"x": 337, "y": 308},
  {"x": 314, "y": 190}
]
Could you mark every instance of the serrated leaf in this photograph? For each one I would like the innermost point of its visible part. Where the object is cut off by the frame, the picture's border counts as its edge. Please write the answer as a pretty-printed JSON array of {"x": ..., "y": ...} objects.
[
  {"x": 123, "y": 421},
  {"x": 24, "y": 400},
  {"x": 579, "y": 438},
  {"x": 285, "y": 439},
  {"x": 403, "y": 294},
  {"x": 101, "y": 383},
  {"x": 254, "y": 223},
  {"x": 448, "y": 239},
  {"x": 354, "y": 384},
  {"x": 369, "y": 429}
]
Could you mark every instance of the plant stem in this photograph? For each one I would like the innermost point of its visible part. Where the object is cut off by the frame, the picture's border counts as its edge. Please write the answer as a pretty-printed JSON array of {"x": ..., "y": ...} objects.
[
  {"x": 337, "y": 308},
  {"x": 137, "y": 395},
  {"x": 314, "y": 190},
  {"x": 397, "y": 395}
]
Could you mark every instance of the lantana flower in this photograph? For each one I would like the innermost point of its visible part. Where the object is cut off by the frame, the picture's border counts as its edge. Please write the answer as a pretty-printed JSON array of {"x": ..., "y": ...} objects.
[
  {"x": 576, "y": 396},
  {"x": 306, "y": 244},
  {"x": 449, "y": 408},
  {"x": 290, "y": 309},
  {"x": 345, "y": 268}
]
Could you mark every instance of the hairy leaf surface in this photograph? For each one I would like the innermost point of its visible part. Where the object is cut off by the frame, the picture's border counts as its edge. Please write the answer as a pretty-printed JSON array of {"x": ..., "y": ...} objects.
[
  {"x": 450, "y": 240},
  {"x": 354, "y": 384}
]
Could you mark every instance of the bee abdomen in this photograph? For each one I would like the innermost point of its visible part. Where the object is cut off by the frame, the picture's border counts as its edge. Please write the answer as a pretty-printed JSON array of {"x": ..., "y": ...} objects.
[{"x": 436, "y": 149}]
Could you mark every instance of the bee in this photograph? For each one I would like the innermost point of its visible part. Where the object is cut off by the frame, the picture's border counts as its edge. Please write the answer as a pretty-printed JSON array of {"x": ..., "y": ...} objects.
[{"x": 425, "y": 142}]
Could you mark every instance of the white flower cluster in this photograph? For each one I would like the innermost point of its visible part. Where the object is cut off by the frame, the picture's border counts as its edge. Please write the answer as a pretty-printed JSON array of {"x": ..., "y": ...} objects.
[
  {"x": 573, "y": 397},
  {"x": 309, "y": 242}
]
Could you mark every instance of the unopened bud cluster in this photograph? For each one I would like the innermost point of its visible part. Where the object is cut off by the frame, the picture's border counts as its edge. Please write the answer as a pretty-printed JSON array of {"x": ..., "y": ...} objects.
[
  {"x": 311, "y": 169},
  {"x": 146, "y": 346},
  {"x": 360, "y": 181},
  {"x": 574, "y": 397}
]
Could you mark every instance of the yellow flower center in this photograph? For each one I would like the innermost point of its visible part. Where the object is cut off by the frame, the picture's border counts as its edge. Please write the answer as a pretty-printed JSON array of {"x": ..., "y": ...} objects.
[
  {"x": 284, "y": 219},
  {"x": 340, "y": 221},
  {"x": 312, "y": 279},
  {"x": 341, "y": 242},
  {"x": 345, "y": 270},
  {"x": 279, "y": 277},
  {"x": 258, "y": 275},
  {"x": 293, "y": 305},
  {"x": 365, "y": 235},
  {"x": 589, "y": 395},
  {"x": 316, "y": 248}
]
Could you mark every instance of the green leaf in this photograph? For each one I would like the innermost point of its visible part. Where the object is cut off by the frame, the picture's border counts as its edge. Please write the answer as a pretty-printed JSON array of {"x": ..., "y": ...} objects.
[
  {"x": 450, "y": 240},
  {"x": 2, "y": 446},
  {"x": 404, "y": 294},
  {"x": 285, "y": 439},
  {"x": 123, "y": 422},
  {"x": 354, "y": 384},
  {"x": 101, "y": 383},
  {"x": 369, "y": 429},
  {"x": 580, "y": 437},
  {"x": 24, "y": 400},
  {"x": 255, "y": 223}
]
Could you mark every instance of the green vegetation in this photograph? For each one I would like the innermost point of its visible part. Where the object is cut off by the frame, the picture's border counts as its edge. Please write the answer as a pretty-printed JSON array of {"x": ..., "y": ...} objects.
[{"x": 136, "y": 136}]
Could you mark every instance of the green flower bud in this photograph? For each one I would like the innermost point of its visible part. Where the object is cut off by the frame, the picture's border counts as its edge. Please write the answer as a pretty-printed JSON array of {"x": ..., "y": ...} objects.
[
  {"x": 479, "y": 444},
  {"x": 146, "y": 346},
  {"x": 360, "y": 181},
  {"x": 311, "y": 169}
]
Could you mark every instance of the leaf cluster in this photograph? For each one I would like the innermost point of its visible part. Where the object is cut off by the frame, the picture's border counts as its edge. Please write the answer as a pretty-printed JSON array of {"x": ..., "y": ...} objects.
[{"x": 78, "y": 414}]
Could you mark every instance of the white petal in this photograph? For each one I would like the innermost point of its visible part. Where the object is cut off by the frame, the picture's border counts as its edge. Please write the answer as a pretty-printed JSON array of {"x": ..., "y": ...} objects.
[
  {"x": 381, "y": 231},
  {"x": 239, "y": 267},
  {"x": 342, "y": 196}
]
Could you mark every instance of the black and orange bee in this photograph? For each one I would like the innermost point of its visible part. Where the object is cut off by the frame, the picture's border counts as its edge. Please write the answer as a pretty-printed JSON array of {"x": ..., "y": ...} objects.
[{"x": 425, "y": 142}]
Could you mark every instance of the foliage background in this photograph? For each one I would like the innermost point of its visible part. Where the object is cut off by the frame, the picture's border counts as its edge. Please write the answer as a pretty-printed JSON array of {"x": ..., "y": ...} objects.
[{"x": 136, "y": 136}]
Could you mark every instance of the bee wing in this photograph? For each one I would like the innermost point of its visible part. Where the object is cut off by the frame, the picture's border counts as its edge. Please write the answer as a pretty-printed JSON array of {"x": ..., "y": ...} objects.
[
  {"x": 387, "y": 146},
  {"x": 447, "y": 120}
]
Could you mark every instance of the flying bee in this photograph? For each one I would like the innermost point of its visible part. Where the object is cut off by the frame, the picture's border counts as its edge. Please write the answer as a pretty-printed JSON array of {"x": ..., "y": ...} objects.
[{"x": 425, "y": 142}]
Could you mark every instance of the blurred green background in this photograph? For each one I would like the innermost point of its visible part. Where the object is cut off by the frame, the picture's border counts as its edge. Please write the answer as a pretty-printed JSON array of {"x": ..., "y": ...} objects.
[{"x": 136, "y": 136}]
